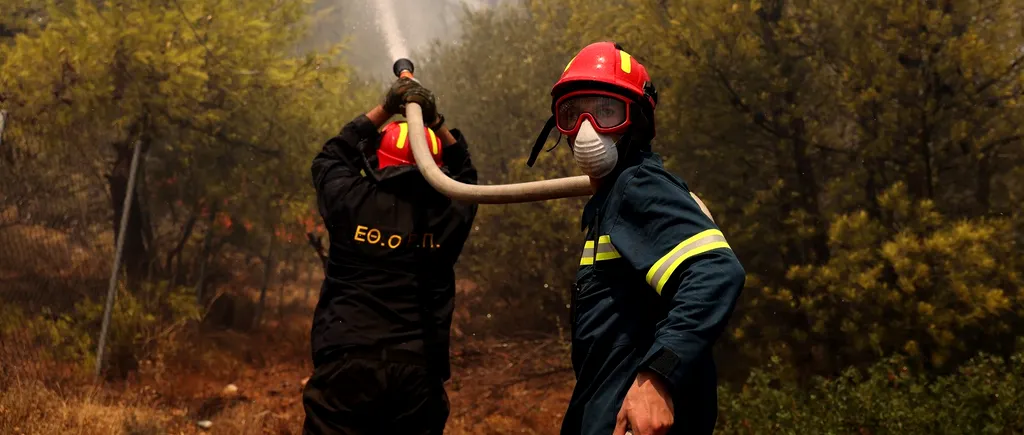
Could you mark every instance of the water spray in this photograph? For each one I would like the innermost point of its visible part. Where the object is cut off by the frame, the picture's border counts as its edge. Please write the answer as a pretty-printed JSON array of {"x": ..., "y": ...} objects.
[
  {"x": 532, "y": 191},
  {"x": 388, "y": 24}
]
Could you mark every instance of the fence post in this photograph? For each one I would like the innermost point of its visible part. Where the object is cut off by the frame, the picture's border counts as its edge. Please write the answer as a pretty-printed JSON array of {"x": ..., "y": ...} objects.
[{"x": 111, "y": 289}]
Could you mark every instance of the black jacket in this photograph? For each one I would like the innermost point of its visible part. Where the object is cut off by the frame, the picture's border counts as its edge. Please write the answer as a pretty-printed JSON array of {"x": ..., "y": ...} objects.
[{"x": 394, "y": 243}]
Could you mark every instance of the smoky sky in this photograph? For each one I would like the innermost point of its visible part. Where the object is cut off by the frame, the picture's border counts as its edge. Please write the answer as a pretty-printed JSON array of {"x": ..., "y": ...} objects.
[{"x": 354, "y": 22}]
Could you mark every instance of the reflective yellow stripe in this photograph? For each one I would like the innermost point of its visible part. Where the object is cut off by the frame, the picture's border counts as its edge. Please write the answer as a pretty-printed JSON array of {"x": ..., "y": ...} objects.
[
  {"x": 403, "y": 131},
  {"x": 568, "y": 64},
  {"x": 605, "y": 249},
  {"x": 588, "y": 254},
  {"x": 433, "y": 142},
  {"x": 624, "y": 62},
  {"x": 703, "y": 242}
]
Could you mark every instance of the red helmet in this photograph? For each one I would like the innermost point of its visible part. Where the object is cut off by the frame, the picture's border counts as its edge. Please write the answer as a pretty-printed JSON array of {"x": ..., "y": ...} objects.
[
  {"x": 605, "y": 63},
  {"x": 396, "y": 148},
  {"x": 604, "y": 84}
]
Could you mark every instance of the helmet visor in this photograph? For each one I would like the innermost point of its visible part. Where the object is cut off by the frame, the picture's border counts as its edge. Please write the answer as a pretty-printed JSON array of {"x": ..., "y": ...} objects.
[{"x": 608, "y": 112}]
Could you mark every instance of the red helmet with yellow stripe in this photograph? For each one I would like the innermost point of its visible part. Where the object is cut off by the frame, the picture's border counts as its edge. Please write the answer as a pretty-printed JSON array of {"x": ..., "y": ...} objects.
[
  {"x": 396, "y": 148},
  {"x": 606, "y": 85},
  {"x": 606, "y": 66}
]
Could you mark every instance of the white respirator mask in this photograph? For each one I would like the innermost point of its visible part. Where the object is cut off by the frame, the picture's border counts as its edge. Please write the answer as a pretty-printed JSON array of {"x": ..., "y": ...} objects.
[{"x": 595, "y": 153}]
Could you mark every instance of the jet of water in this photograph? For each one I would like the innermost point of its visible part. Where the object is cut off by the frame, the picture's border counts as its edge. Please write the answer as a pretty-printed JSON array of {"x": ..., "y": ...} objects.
[{"x": 388, "y": 23}]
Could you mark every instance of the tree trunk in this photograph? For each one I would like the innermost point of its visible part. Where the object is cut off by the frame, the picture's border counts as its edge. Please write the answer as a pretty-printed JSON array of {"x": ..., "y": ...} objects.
[
  {"x": 147, "y": 221},
  {"x": 927, "y": 156},
  {"x": 176, "y": 253},
  {"x": 204, "y": 256},
  {"x": 809, "y": 191},
  {"x": 983, "y": 189},
  {"x": 268, "y": 267},
  {"x": 794, "y": 131}
]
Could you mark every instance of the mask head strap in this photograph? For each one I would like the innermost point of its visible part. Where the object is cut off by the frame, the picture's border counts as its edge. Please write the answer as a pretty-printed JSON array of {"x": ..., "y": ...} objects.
[{"x": 541, "y": 139}]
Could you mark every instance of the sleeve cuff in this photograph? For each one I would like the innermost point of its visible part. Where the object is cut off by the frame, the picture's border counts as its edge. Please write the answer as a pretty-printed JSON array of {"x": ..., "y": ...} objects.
[
  {"x": 665, "y": 363},
  {"x": 456, "y": 152},
  {"x": 357, "y": 134},
  {"x": 362, "y": 127},
  {"x": 460, "y": 140}
]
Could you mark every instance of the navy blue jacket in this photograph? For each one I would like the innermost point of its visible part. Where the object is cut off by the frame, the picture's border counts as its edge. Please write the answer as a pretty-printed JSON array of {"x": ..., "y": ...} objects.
[{"x": 656, "y": 285}]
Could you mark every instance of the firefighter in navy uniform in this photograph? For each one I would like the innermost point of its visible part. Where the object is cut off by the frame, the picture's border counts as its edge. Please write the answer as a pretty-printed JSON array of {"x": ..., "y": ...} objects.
[
  {"x": 657, "y": 280},
  {"x": 380, "y": 335}
]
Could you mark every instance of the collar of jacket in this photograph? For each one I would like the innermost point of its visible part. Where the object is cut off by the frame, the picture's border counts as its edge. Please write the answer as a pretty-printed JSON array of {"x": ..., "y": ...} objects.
[
  {"x": 408, "y": 179},
  {"x": 604, "y": 189}
]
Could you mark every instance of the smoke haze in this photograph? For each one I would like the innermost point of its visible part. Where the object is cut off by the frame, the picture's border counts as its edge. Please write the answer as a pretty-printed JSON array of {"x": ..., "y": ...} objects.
[{"x": 358, "y": 24}]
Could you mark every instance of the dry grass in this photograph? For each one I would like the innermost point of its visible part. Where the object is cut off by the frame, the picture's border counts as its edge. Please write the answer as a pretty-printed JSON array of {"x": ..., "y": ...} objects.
[
  {"x": 247, "y": 418},
  {"x": 30, "y": 407},
  {"x": 497, "y": 388}
]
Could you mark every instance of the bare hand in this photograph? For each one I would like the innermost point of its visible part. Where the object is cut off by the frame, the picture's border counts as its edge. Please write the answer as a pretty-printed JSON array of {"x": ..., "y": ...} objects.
[{"x": 647, "y": 408}]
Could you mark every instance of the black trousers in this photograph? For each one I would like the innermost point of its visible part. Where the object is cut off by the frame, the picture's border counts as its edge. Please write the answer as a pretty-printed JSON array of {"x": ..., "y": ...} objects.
[{"x": 360, "y": 394}]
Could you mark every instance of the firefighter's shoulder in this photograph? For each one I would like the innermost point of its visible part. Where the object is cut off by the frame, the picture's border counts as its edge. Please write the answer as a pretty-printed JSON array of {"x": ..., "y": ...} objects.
[
  {"x": 657, "y": 224},
  {"x": 649, "y": 191}
]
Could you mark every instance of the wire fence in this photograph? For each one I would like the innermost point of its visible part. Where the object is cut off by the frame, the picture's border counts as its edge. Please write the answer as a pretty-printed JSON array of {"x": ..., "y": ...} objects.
[{"x": 66, "y": 305}]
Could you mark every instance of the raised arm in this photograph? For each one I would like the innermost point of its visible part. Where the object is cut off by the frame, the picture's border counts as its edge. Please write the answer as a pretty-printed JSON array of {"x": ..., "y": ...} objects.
[
  {"x": 457, "y": 157},
  {"x": 341, "y": 163}
]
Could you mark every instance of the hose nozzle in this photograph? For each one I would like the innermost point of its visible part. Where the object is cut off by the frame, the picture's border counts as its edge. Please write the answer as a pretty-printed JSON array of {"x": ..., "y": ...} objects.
[{"x": 403, "y": 68}]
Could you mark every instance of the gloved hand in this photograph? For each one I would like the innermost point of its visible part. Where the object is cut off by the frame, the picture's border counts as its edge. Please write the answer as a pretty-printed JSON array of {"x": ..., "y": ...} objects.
[
  {"x": 406, "y": 90},
  {"x": 394, "y": 100}
]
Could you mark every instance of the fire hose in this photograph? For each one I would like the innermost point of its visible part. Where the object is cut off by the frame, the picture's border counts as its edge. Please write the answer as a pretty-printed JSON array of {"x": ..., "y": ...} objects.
[{"x": 558, "y": 188}]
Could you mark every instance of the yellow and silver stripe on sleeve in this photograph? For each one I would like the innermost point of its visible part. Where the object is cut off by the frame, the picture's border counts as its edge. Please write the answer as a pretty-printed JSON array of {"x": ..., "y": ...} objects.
[{"x": 703, "y": 242}]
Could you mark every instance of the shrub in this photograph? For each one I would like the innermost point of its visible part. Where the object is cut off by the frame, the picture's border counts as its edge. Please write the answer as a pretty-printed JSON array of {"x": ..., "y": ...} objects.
[
  {"x": 983, "y": 396},
  {"x": 139, "y": 321},
  {"x": 916, "y": 282}
]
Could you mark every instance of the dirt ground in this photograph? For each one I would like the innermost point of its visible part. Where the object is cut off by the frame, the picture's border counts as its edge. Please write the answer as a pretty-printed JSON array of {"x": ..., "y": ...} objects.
[{"x": 250, "y": 383}]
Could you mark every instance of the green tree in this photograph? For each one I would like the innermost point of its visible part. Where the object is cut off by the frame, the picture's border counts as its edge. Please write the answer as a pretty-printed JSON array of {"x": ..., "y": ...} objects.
[
  {"x": 853, "y": 99},
  {"x": 226, "y": 115}
]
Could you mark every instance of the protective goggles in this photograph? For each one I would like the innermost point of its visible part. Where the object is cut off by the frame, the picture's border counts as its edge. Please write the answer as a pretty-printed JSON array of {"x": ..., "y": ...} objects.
[{"x": 607, "y": 112}]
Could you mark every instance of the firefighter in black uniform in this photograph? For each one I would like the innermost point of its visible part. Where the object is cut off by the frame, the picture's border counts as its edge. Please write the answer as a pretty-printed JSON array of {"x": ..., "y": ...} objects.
[{"x": 380, "y": 333}]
